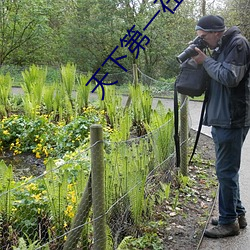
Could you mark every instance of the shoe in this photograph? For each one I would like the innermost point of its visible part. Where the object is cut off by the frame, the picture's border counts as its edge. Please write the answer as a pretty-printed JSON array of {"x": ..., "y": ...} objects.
[
  {"x": 241, "y": 219},
  {"x": 221, "y": 231}
]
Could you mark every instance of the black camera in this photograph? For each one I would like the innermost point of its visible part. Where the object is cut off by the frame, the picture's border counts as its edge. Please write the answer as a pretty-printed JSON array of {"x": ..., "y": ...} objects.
[{"x": 190, "y": 51}]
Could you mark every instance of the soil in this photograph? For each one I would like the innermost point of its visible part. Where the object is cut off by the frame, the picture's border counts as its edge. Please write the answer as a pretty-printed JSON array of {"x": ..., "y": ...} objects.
[
  {"x": 25, "y": 164},
  {"x": 186, "y": 223}
]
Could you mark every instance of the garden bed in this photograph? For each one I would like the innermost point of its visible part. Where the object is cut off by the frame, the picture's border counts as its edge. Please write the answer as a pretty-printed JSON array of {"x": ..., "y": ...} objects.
[{"x": 179, "y": 221}]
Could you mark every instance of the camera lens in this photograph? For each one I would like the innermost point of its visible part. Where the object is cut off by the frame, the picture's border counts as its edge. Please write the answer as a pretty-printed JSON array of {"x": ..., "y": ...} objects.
[{"x": 187, "y": 53}]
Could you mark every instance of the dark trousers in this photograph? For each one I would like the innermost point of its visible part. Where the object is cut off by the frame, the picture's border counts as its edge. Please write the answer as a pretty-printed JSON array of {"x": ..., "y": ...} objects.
[{"x": 228, "y": 145}]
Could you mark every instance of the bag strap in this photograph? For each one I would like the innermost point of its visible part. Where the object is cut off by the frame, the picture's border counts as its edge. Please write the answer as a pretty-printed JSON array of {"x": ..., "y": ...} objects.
[
  {"x": 176, "y": 126},
  {"x": 199, "y": 127},
  {"x": 201, "y": 118}
]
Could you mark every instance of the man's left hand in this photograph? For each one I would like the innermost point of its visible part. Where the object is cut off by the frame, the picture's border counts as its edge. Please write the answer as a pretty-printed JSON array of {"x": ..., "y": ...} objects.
[{"x": 200, "y": 58}]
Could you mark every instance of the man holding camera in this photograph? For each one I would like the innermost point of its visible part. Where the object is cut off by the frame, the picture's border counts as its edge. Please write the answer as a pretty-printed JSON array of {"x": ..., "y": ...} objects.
[{"x": 228, "y": 112}]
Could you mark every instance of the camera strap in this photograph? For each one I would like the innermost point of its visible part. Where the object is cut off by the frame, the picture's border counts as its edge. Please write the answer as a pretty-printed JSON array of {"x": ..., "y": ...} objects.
[{"x": 199, "y": 127}]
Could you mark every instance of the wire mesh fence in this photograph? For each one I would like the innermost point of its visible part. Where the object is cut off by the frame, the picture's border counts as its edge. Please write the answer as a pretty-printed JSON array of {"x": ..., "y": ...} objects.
[
  {"x": 42, "y": 210},
  {"x": 56, "y": 209}
]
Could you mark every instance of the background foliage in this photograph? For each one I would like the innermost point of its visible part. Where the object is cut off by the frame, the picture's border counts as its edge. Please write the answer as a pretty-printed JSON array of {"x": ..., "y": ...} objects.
[{"x": 85, "y": 32}]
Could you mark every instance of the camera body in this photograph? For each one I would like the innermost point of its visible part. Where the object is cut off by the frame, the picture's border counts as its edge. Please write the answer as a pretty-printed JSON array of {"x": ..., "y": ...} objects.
[{"x": 190, "y": 51}]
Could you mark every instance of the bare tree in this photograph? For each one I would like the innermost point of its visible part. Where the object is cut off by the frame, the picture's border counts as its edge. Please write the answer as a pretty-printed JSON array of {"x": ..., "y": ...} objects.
[{"x": 20, "y": 21}]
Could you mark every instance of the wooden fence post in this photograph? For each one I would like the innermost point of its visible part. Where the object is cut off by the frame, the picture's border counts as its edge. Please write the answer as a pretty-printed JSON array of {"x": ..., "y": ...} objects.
[
  {"x": 135, "y": 74},
  {"x": 98, "y": 194}
]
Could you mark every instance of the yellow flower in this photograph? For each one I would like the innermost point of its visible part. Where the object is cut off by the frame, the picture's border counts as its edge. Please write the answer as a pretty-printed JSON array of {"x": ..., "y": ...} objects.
[
  {"x": 45, "y": 151},
  {"x": 17, "y": 152},
  {"x": 73, "y": 199},
  {"x": 6, "y": 132},
  {"x": 14, "y": 209},
  {"x": 37, "y": 196},
  {"x": 31, "y": 187},
  {"x": 38, "y": 156},
  {"x": 69, "y": 211}
]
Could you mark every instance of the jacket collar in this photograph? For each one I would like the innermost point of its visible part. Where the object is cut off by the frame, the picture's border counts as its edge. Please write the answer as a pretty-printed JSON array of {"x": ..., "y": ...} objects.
[{"x": 231, "y": 32}]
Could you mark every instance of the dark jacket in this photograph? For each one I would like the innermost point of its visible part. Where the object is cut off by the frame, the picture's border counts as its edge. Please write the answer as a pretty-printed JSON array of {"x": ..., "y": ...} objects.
[{"x": 229, "y": 90}]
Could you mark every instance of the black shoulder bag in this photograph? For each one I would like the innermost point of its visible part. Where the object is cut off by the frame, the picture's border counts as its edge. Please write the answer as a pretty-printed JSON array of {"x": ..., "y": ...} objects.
[{"x": 191, "y": 81}]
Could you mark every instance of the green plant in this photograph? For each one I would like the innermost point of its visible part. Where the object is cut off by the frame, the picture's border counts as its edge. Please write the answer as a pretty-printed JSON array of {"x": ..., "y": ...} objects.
[
  {"x": 65, "y": 181},
  {"x": 30, "y": 208},
  {"x": 23, "y": 134},
  {"x": 44, "y": 137},
  {"x": 161, "y": 126},
  {"x": 184, "y": 181},
  {"x": 164, "y": 191},
  {"x": 83, "y": 92},
  {"x": 126, "y": 172},
  {"x": 176, "y": 199},
  {"x": 6, "y": 184},
  {"x": 68, "y": 74},
  {"x": 29, "y": 245},
  {"x": 33, "y": 85},
  {"x": 121, "y": 131},
  {"x": 48, "y": 98},
  {"x": 147, "y": 241},
  {"x": 141, "y": 104},
  {"x": 112, "y": 105},
  {"x": 56, "y": 187},
  {"x": 5, "y": 90}
]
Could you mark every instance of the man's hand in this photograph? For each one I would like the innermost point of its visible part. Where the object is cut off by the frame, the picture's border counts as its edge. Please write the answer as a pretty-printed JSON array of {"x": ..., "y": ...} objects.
[{"x": 200, "y": 58}]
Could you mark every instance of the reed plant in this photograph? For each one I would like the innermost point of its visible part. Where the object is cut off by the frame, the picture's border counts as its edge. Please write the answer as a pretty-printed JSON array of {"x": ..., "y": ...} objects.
[
  {"x": 68, "y": 74},
  {"x": 5, "y": 90},
  {"x": 6, "y": 184},
  {"x": 56, "y": 184},
  {"x": 122, "y": 130},
  {"x": 136, "y": 179},
  {"x": 83, "y": 92},
  {"x": 65, "y": 181},
  {"x": 62, "y": 106},
  {"x": 141, "y": 106},
  {"x": 112, "y": 106},
  {"x": 161, "y": 130},
  {"x": 126, "y": 172},
  {"x": 48, "y": 98},
  {"x": 34, "y": 80}
]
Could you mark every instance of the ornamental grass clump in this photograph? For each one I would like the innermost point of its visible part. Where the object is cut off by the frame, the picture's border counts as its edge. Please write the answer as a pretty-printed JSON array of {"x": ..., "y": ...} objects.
[
  {"x": 82, "y": 93},
  {"x": 34, "y": 80},
  {"x": 5, "y": 91},
  {"x": 141, "y": 106},
  {"x": 160, "y": 131}
]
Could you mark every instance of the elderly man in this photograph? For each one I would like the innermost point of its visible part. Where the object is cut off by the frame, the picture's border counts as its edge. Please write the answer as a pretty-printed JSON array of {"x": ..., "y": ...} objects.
[{"x": 228, "y": 112}]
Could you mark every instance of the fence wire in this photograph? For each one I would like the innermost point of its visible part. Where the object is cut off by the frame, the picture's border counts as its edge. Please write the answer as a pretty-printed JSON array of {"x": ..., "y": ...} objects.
[
  {"x": 158, "y": 87},
  {"x": 44, "y": 210}
]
